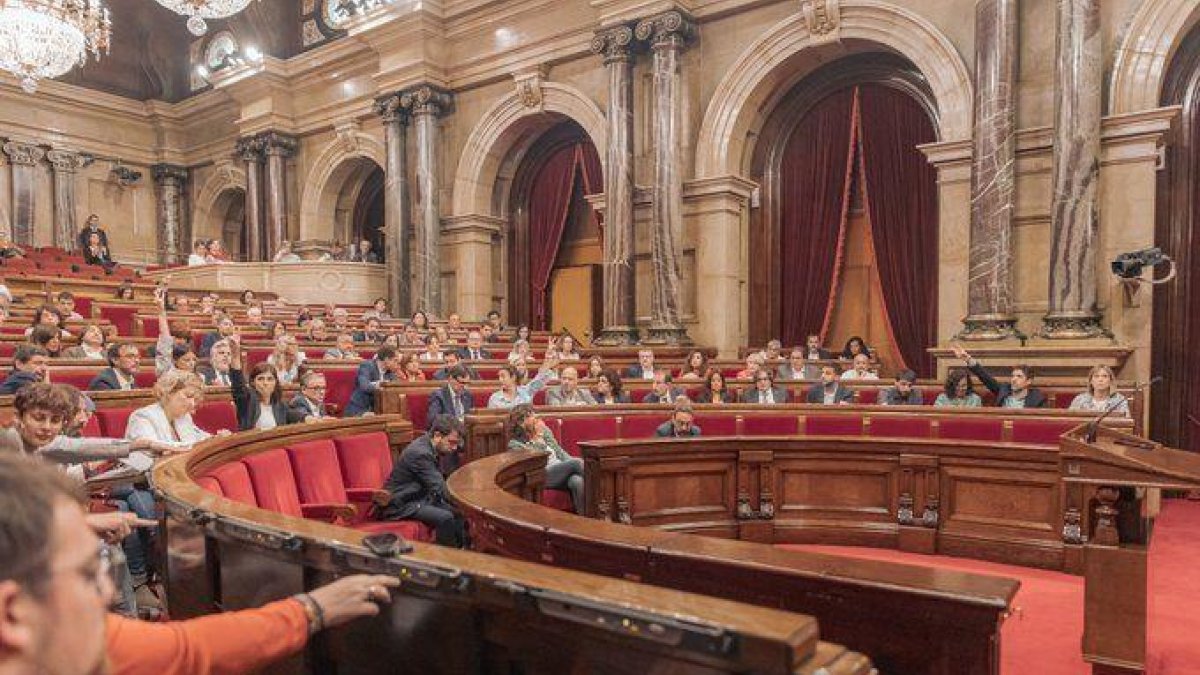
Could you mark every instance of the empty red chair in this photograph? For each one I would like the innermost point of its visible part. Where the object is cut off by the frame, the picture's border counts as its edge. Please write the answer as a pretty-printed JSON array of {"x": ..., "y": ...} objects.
[
  {"x": 113, "y": 421},
  {"x": 834, "y": 425},
  {"x": 119, "y": 316},
  {"x": 234, "y": 481},
  {"x": 716, "y": 425},
  {"x": 339, "y": 383},
  {"x": 365, "y": 459},
  {"x": 900, "y": 427},
  {"x": 275, "y": 488},
  {"x": 417, "y": 406},
  {"x": 971, "y": 429},
  {"x": 770, "y": 425},
  {"x": 573, "y": 430},
  {"x": 319, "y": 476},
  {"x": 144, "y": 378},
  {"x": 558, "y": 499},
  {"x": 92, "y": 428},
  {"x": 213, "y": 416},
  {"x": 642, "y": 426},
  {"x": 1040, "y": 432},
  {"x": 867, "y": 395},
  {"x": 80, "y": 379}
]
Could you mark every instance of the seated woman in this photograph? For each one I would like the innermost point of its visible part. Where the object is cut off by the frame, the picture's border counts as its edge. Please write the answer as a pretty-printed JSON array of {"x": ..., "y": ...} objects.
[
  {"x": 443, "y": 336},
  {"x": 199, "y": 254},
  {"x": 754, "y": 363},
  {"x": 420, "y": 320},
  {"x": 93, "y": 345},
  {"x": 246, "y": 297},
  {"x": 1100, "y": 395},
  {"x": 260, "y": 403},
  {"x": 169, "y": 419},
  {"x": 1018, "y": 392},
  {"x": 523, "y": 333},
  {"x": 287, "y": 359},
  {"x": 854, "y": 346},
  {"x": 216, "y": 252},
  {"x": 526, "y": 431},
  {"x": 285, "y": 254},
  {"x": 521, "y": 351},
  {"x": 695, "y": 368},
  {"x": 96, "y": 253},
  {"x": 433, "y": 350},
  {"x": 379, "y": 310},
  {"x": 713, "y": 390},
  {"x": 47, "y": 338},
  {"x": 410, "y": 369},
  {"x": 595, "y": 367},
  {"x": 512, "y": 393},
  {"x": 958, "y": 392},
  {"x": 609, "y": 390},
  {"x": 567, "y": 349},
  {"x": 50, "y": 316}
]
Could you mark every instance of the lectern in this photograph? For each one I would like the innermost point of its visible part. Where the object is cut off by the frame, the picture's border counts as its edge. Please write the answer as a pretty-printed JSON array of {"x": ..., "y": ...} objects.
[{"x": 1111, "y": 483}]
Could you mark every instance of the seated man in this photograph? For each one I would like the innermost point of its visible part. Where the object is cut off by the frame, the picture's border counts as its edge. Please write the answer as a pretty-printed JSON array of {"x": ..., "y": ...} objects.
[
  {"x": 254, "y": 318},
  {"x": 364, "y": 254},
  {"x": 371, "y": 373},
  {"x": 30, "y": 364},
  {"x": 903, "y": 392},
  {"x": 216, "y": 373},
  {"x": 225, "y": 328},
  {"x": 765, "y": 392},
  {"x": 861, "y": 369},
  {"x": 417, "y": 487},
  {"x": 65, "y": 302},
  {"x": 644, "y": 370},
  {"x": 309, "y": 404},
  {"x": 681, "y": 423},
  {"x": 339, "y": 320},
  {"x": 453, "y": 360},
  {"x": 829, "y": 390},
  {"x": 1017, "y": 393},
  {"x": 123, "y": 361},
  {"x": 452, "y": 398},
  {"x": 796, "y": 367},
  {"x": 662, "y": 392},
  {"x": 474, "y": 350},
  {"x": 371, "y": 332},
  {"x": 813, "y": 351},
  {"x": 568, "y": 392},
  {"x": 343, "y": 349}
]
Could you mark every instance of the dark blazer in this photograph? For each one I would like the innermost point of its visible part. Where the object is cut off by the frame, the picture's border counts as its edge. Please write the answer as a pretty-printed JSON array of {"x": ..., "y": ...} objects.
[
  {"x": 633, "y": 372},
  {"x": 300, "y": 407},
  {"x": 102, "y": 258},
  {"x": 702, "y": 396},
  {"x": 667, "y": 430},
  {"x": 1034, "y": 398},
  {"x": 415, "y": 481},
  {"x": 779, "y": 393},
  {"x": 87, "y": 232},
  {"x": 370, "y": 257},
  {"x": 823, "y": 354},
  {"x": 816, "y": 394},
  {"x": 105, "y": 380},
  {"x": 655, "y": 398},
  {"x": 245, "y": 400},
  {"x": 890, "y": 396},
  {"x": 366, "y": 382},
  {"x": 465, "y": 354},
  {"x": 209, "y": 375},
  {"x": 623, "y": 397},
  {"x": 16, "y": 380},
  {"x": 443, "y": 373},
  {"x": 361, "y": 336},
  {"x": 207, "y": 342},
  {"x": 441, "y": 402}
]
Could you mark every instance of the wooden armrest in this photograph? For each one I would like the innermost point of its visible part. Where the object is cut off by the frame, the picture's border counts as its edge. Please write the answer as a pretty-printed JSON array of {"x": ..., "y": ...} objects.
[
  {"x": 372, "y": 495},
  {"x": 333, "y": 513}
]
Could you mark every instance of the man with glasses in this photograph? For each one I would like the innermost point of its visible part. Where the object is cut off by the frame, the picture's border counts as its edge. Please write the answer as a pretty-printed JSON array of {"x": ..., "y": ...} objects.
[
  {"x": 765, "y": 392},
  {"x": 682, "y": 423},
  {"x": 474, "y": 350},
  {"x": 568, "y": 392},
  {"x": 216, "y": 374},
  {"x": 453, "y": 360},
  {"x": 309, "y": 404},
  {"x": 452, "y": 399},
  {"x": 123, "y": 360}
]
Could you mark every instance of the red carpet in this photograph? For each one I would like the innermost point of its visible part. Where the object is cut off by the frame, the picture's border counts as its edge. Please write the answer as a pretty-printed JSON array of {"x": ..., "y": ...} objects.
[{"x": 1043, "y": 635}]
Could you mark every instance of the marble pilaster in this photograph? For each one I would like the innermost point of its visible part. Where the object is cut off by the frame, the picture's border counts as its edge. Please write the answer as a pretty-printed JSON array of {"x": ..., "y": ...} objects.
[
  {"x": 277, "y": 148},
  {"x": 993, "y": 174},
  {"x": 170, "y": 180},
  {"x": 24, "y": 158},
  {"x": 249, "y": 150},
  {"x": 65, "y": 165},
  {"x": 426, "y": 104},
  {"x": 1076, "y": 174},
  {"x": 396, "y": 205},
  {"x": 667, "y": 35},
  {"x": 619, "y": 324}
]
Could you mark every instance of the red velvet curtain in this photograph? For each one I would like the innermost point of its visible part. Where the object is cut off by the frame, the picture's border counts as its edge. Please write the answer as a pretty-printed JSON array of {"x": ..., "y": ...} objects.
[
  {"x": 901, "y": 200},
  {"x": 550, "y": 205},
  {"x": 815, "y": 175}
]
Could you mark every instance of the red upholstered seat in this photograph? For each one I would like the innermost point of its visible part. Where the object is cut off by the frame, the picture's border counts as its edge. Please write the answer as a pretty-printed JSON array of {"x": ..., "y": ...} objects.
[
  {"x": 144, "y": 378},
  {"x": 834, "y": 425},
  {"x": 273, "y": 481},
  {"x": 92, "y": 428},
  {"x": 557, "y": 499},
  {"x": 642, "y": 426},
  {"x": 716, "y": 425},
  {"x": 409, "y": 529},
  {"x": 256, "y": 355},
  {"x": 971, "y": 429},
  {"x": 212, "y": 416},
  {"x": 83, "y": 305},
  {"x": 1042, "y": 432},
  {"x": 209, "y": 483},
  {"x": 901, "y": 427},
  {"x": 119, "y": 316},
  {"x": 7, "y": 349},
  {"x": 365, "y": 459},
  {"x": 13, "y": 330},
  {"x": 539, "y": 397},
  {"x": 318, "y": 474},
  {"x": 234, "y": 479},
  {"x": 770, "y": 425},
  {"x": 867, "y": 395},
  {"x": 417, "y": 405},
  {"x": 488, "y": 373},
  {"x": 340, "y": 385},
  {"x": 76, "y": 377},
  {"x": 575, "y": 429},
  {"x": 113, "y": 421}
]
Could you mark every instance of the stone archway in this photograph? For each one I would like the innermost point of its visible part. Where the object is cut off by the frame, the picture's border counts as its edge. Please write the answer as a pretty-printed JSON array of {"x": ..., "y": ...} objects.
[
  {"x": 336, "y": 164},
  {"x": 777, "y": 60},
  {"x": 212, "y": 203},
  {"x": 1141, "y": 62}
]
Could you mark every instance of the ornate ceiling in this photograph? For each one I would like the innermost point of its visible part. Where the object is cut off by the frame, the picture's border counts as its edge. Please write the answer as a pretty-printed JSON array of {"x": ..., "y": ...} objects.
[{"x": 151, "y": 45}]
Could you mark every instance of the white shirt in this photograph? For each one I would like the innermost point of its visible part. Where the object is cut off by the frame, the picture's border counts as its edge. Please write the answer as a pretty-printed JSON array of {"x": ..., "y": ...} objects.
[
  {"x": 266, "y": 417},
  {"x": 196, "y": 260},
  {"x": 151, "y": 422},
  {"x": 852, "y": 374}
]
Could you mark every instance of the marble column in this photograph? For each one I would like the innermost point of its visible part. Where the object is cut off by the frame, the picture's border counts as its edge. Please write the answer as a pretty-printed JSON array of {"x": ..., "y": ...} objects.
[
  {"x": 250, "y": 152},
  {"x": 993, "y": 178},
  {"x": 1074, "y": 216},
  {"x": 619, "y": 324},
  {"x": 427, "y": 103},
  {"x": 277, "y": 148},
  {"x": 170, "y": 180},
  {"x": 667, "y": 34},
  {"x": 396, "y": 205},
  {"x": 65, "y": 165},
  {"x": 24, "y": 158}
]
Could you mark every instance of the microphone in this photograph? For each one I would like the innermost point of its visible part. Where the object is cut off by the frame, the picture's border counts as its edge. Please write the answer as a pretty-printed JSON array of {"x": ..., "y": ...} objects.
[{"x": 1093, "y": 427}]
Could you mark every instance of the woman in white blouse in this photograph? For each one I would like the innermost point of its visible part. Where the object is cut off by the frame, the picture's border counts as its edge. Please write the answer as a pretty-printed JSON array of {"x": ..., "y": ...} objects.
[
  {"x": 286, "y": 359},
  {"x": 169, "y": 419},
  {"x": 1101, "y": 395}
]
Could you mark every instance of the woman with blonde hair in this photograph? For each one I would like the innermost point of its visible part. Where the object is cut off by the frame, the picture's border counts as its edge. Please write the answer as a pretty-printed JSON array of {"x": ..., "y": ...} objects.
[
  {"x": 286, "y": 359},
  {"x": 1100, "y": 394},
  {"x": 169, "y": 419}
]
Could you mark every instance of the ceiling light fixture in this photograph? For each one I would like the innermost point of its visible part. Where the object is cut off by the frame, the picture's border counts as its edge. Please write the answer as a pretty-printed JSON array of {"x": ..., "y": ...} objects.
[
  {"x": 41, "y": 39},
  {"x": 198, "y": 10}
]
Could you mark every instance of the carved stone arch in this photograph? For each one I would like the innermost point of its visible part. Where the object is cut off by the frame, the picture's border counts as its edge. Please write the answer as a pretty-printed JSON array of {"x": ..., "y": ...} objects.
[
  {"x": 211, "y": 201},
  {"x": 788, "y": 51},
  {"x": 494, "y": 148},
  {"x": 1140, "y": 65},
  {"x": 327, "y": 175}
]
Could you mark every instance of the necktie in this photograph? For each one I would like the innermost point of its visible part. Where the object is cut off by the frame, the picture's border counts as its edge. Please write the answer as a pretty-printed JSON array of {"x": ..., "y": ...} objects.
[{"x": 458, "y": 406}]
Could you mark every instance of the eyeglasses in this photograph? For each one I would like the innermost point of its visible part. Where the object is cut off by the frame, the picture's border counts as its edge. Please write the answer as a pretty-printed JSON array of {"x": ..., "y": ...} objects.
[{"x": 314, "y": 388}]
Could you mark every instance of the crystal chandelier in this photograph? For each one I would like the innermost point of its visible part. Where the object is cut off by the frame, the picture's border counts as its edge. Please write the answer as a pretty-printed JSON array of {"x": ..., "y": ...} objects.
[
  {"x": 42, "y": 39},
  {"x": 199, "y": 10}
]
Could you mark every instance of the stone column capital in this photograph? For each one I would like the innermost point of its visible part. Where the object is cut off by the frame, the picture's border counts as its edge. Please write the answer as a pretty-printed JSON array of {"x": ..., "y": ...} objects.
[
  {"x": 67, "y": 162},
  {"x": 427, "y": 99},
  {"x": 391, "y": 109},
  {"x": 26, "y": 154},
  {"x": 669, "y": 30},
  {"x": 614, "y": 44},
  {"x": 167, "y": 173},
  {"x": 278, "y": 144},
  {"x": 249, "y": 149}
]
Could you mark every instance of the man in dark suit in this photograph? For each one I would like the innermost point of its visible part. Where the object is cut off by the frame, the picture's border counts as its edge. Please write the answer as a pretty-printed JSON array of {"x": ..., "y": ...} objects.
[
  {"x": 30, "y": 364},
  {"x": 813, "y": 351},
  {"x": 663, "y": 391},
  {"x": 370, "y": 333},
  {"x": 371, "y": 373},
  {"x": 644, "y": 370},
  {"x": 309, "y": 404},
  {"x": 122, "y": 368},
  {"x": 364, "y": 254},
  {"x": 216, "y": 373},
  {"x": 452, "y": 398},
  {"x": 225, "y": 328},
  {"x": 418, "y": 488},
  {"x": 453, "y": 360},
  {"x": 903, "y": 393},
  {"x": 474, "y": 350},
  {"x": 830, "y": 390},
  {"x": 1017, "y": 393},
  {"x": 681, "y": 424},
  {"x": 796, "y": 367},
  {"x": 765, "y": 392},
  {"x": 92, "y": 227}
]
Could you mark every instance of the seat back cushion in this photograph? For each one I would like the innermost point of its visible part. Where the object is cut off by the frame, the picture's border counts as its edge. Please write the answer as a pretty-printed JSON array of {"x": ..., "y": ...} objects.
[
  {"x": 833, "y": 425},
  {"x": 1041, "y": 432},
  {"x": 365, "y": 459},
  {"x": 417, "y": 406},
  {"x": 212, "y": 416},
  {"x": 573, "y": 430},
  {"x": 770, "y": 425},
  {"x": 900, "y": 427},
  {"x": 318, "y": 472},
  {"x": 340, "y": 385},
  {"x": 716, "y": 425},
  {"x": 209, "y": 483},
  {"x": 968, "y": 429},
  {"x": 113, "y": 421},
  {"x": 234, "y": 480},
  {"x": 642, "y": 426},
  {"x": 273, "y": 481}
]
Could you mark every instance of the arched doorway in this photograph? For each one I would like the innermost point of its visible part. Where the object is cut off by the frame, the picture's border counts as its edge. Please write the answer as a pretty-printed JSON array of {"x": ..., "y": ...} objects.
[
  {"x": 555, "y": 242},
  {"x": 1175, "y": 405},
  {"x": 228, "y": 221},
  {"x": 845, "y": 242},
  {"x": 355, "y": 200}
]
